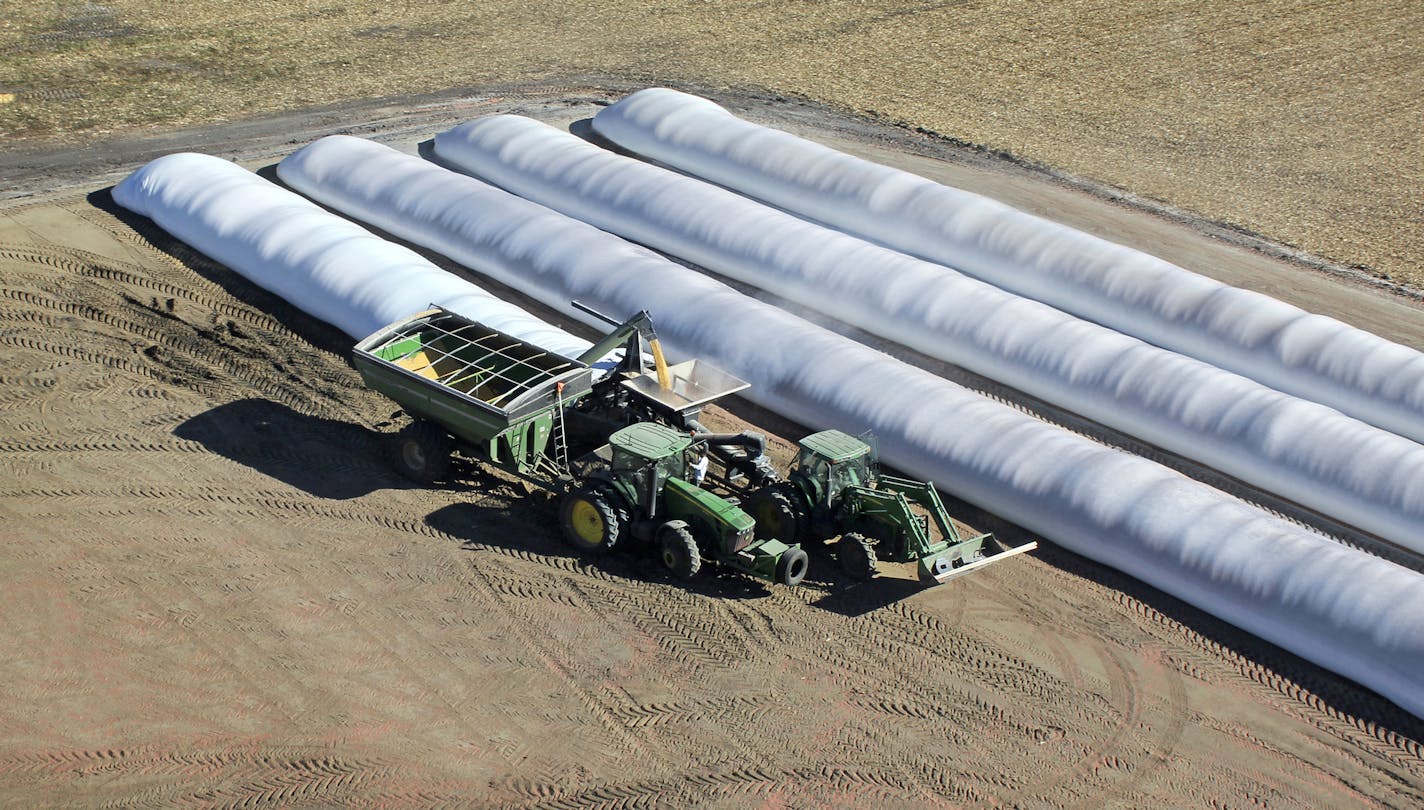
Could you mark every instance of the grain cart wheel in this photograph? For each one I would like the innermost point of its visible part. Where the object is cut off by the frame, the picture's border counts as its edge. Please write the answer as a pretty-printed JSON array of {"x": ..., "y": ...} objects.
[
  {"x": 589, "y": 521},
  {"x": 791, "y": 568},
  {"x": 679, "y": 550},
  {"x": 856, "y": 554},
  {"x": 777, "y": 513},
  {"x": 421, "y": 451}
]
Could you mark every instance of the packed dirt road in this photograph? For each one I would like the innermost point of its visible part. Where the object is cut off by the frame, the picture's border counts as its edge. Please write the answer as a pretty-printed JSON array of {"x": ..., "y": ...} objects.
[{"x": 218, "y": 593}]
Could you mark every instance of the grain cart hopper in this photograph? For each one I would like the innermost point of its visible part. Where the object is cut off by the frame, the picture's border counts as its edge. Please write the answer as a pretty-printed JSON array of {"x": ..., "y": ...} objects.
[
  {"x": 834, "y": 490},
  {"x": 673, "y": 394},
  {"x": 506, "y": 400},
  {"x": 636, "y": 489}
]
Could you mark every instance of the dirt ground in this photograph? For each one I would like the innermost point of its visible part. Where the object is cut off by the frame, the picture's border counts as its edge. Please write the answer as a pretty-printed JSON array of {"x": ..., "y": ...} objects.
[{"x": 217, "y": 592}]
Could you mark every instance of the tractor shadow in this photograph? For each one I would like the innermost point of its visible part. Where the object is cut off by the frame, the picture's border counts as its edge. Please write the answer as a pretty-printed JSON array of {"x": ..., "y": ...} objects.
[
  {"x": 851, "y": 598},
  {"x": 529, "y": 527}
]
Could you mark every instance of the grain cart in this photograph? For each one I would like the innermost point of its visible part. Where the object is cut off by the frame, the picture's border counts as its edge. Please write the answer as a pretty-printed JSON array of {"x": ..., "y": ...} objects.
[
  {"x": 834, "y": 490},
  {"x": 636, "y": 488},
  {"x": 516, "y": 405}
]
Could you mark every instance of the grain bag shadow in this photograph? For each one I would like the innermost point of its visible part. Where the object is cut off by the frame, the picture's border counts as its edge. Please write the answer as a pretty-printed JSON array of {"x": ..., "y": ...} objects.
[
  {"x": 318, "y": 333},
  {"x": 529, "y": 527},
  {"x": 325, "y": 458}
]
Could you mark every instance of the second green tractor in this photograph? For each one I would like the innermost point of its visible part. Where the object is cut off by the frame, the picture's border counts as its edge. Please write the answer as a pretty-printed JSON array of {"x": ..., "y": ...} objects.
[{"x": 834, "y": 490}]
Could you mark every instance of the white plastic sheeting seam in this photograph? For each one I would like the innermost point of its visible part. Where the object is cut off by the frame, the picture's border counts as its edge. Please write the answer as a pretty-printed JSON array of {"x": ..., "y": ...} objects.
[
  {"x": 1345, "y": 610},
  {"x": 1311, "y": 356},
  {"x": 1301, "y": 450},
  {"x": 329, "y": 267}
]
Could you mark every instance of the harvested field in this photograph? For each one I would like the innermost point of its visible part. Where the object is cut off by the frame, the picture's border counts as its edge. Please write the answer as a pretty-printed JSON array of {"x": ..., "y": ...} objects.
[
  {"x": 1299, "y": 121},
  {"x": 217, "y": 592},
  {"x": 222, "y": 595}
]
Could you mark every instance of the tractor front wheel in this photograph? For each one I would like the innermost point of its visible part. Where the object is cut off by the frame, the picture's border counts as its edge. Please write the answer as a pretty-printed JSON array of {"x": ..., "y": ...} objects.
[
  {"x": 678, "y": 550},
  {"x": 791, "y": 568},
  {"x": 856, "y": 555},
  {"x": 421, "y": 451},
  {"x": 589, "y": 521},
  {"x": 777, "y": 514}
]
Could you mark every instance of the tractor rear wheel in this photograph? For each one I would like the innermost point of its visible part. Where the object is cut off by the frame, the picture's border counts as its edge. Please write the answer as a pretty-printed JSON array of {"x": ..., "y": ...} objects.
[
  {"x": 856, "y": 555},
  {"x": 778, "y": 513},
  {"x": 421, "y": 451},
  {"x": 678, "y": 550},
  {"x": 589, "y": 521},
  {"x": 791, "y": 568}
]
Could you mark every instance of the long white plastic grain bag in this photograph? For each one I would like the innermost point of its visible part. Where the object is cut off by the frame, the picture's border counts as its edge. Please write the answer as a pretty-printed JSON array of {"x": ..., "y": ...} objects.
[
  {"x": 1345, "y": 610},
  {"x": 327, "y": 266},
  {"x": 1301, "y": 450},
  {"x": 1311, "y": 356}
]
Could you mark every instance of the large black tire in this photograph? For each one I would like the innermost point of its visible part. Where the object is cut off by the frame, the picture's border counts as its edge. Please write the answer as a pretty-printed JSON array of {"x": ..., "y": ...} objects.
[
  {"x": 791, "y": 568},
  {"x": 421, "y": 451},
  {"x": 589, "y": 521},
  {"x": 856, "y": 555},
  {"x": 678, "y": 550},
  {"x": 778, "y": 513}
]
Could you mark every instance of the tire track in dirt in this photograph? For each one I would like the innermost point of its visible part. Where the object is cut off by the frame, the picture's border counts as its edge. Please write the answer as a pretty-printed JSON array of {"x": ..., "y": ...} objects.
[
  {"x": 876, "y": 667},
  {"x": 232, "y": 343},
  {"x": 697, "y": 785},
  {"x": 138, "y": 604},
  {"x": 1122, "y": 680},
  {"x": 1100, "y": 744},
  {"x": 1299, "y": 699},
  {"x": 910, "y": 703},
  {"x": 598, "y": 702},
  {"x": 181, "y": 358},
  {"x": 1328, "y": 704},
  {"x": 698, "y": 655},
  {"x": 408, "y": 642}
]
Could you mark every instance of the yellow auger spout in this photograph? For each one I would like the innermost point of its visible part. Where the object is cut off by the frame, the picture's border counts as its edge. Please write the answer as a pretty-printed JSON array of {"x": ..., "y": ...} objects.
[{"x": 660, "y": 364}]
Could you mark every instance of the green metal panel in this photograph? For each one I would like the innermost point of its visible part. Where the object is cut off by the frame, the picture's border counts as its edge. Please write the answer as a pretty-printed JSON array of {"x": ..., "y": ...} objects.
[
  {"x": 835, "y": 445},
  {"x": 489, "y": 389},
  {"x": 685, "y": 501},
  {"x": 650, "y": 441}
]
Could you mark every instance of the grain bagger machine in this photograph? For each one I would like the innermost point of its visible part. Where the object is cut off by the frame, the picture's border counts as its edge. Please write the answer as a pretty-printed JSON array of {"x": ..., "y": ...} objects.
[{"x": 517, "y": 405}]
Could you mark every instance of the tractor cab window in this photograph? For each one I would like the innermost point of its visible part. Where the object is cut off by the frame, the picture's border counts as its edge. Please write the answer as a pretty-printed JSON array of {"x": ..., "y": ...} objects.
[
  {"x": 842, "y": 476},
  {"x": 813, "y": 465},
  {"x": 674, "y": 466},
  {"x": 624, "y": 462},
  {"x": 648, "y": 474}
]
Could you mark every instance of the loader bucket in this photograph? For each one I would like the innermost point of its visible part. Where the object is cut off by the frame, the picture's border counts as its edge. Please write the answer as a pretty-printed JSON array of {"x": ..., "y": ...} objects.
[{"x": 966, "y": 557}]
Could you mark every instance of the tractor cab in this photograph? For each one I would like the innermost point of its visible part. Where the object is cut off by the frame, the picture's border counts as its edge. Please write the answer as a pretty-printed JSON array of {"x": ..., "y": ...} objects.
[
  {"x": 829, "y": 462},
  {"x": 645, "y": 456}
]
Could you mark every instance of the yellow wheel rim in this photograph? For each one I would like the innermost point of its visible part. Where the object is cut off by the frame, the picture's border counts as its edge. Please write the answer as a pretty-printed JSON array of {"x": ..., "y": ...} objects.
[{"x": 587, "y": 523}]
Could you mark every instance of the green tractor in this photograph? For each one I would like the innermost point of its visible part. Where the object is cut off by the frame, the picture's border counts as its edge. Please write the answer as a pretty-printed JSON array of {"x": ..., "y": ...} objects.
[
  {"x": 637, "y": 488},
  {"x": 834, "y": 490}
]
